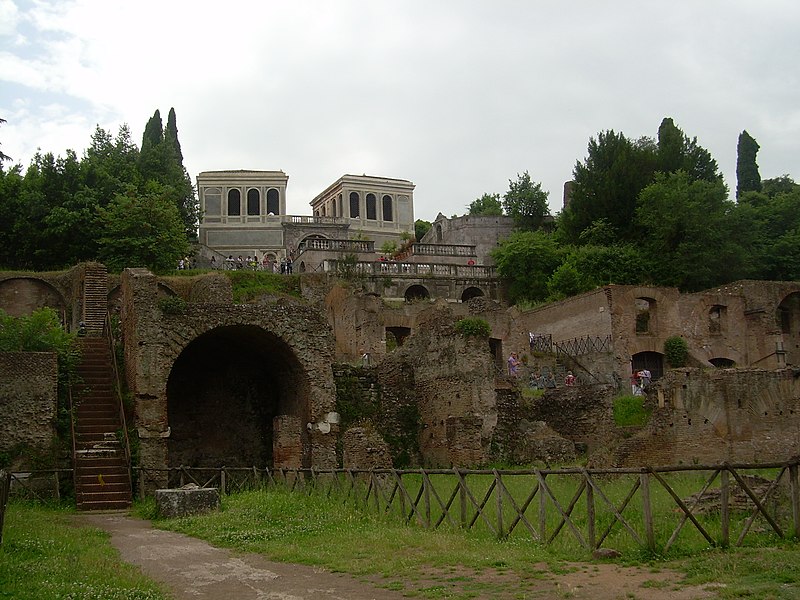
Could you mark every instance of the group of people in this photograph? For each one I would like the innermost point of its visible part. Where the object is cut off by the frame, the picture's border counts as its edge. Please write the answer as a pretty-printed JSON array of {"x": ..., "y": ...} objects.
[
  {"x": 185, "y": 263},
  {"x": 639, "y": 381},
  {"x": 251, "y": 263},
  {"x": 537, "y": 381}
]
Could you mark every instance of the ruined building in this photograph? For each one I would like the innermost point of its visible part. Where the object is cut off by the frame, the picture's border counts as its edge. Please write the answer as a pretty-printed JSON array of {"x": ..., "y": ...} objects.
[{"x": 366, "y": 365}]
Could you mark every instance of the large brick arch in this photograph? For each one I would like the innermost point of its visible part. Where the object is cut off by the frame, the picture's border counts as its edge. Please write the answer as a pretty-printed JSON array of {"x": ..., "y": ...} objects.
[
  {"x": 285, "y": 351},
  {"x": 259, "y": 374}
]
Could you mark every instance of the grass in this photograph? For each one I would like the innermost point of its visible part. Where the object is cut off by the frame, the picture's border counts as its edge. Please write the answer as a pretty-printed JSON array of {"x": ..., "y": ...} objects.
[
  {"x": 45, "y": 556},
  {"x": 249, "y": 285},
  {"x": 629, "y": 411},
  {"x": 329, "y": 532}
]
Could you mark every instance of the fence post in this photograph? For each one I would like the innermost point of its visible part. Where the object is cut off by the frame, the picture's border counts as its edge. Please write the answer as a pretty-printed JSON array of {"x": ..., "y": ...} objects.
[
  {"x": 794, "y": 485},
  {"x": 222, "y": 481},
  {"x": 427, "y": 496},
  {"x": 647, "y": 510},
  {"x": 590, "y": 513},
  {"x": 498, "y": 489},
  {"x": 724, "y": 509},
  {"x": 542, "y": 505},
  {"x": 5, "y": 485},
  {"x": 462, "y": 496}
]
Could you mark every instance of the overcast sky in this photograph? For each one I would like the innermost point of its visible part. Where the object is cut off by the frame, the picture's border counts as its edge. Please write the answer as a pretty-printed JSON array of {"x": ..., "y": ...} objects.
[{"x": 457, "y": 96}]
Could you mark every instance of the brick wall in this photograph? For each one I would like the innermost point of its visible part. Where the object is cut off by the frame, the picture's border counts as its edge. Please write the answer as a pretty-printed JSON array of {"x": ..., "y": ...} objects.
[
  {"x": 708, "y": 416},
  {"x": 28, "y": 400}
]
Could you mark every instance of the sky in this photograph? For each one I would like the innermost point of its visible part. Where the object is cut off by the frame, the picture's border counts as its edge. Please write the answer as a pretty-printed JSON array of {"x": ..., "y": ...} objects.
[{"x": 457, "y": 96}]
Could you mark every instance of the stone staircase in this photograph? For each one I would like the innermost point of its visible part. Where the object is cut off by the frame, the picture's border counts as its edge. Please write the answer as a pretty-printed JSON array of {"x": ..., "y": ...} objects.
[
  {"x": 102, "y": 470},
  {"x": 102, "y": 476},
  {"x": 95, "y": 299}
]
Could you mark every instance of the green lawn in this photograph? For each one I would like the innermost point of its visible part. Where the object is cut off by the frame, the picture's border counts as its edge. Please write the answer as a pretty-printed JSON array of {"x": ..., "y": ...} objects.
[{"x": 44, "y": 556}]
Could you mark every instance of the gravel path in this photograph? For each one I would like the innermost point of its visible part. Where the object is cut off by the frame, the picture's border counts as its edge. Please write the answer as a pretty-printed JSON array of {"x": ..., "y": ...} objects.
[{"x": 191, "y": 569}]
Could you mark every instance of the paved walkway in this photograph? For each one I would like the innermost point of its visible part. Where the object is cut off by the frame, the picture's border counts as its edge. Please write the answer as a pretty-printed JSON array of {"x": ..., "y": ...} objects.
[{"x": 192, "y": 569}]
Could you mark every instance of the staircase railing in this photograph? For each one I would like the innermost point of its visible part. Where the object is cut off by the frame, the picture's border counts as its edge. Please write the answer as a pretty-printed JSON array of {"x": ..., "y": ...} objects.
[
  {"x": 118, "y": 387},
  {"x": 72, "y": 436}
]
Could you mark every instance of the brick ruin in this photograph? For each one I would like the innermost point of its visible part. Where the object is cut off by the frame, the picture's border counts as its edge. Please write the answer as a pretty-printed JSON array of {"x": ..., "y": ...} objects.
[{"x": 341, "y": 376}]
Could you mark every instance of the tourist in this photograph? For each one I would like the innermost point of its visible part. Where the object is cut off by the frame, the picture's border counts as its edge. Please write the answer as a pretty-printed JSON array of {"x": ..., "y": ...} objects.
[
  {"x": 569, "y": 380},
  {"x": 513, "y": 365},
  {"x": 213, "y": 263},
  {"x": 644, "y": 378}
]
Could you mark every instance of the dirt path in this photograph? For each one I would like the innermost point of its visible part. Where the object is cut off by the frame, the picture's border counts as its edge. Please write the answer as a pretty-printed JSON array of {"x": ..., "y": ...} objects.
[{"x": 192, "y": 569}]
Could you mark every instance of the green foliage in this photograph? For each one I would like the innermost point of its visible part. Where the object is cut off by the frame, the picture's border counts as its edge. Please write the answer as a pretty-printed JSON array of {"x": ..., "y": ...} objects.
[
  {"x": 51, "y": 217},
  {"x": 41, "y": 331},
  {"x": 687, "y": 232},
  {"x": 421, "y": 228},
  {"x": 251, "y": 285},
  {"x": 748, "y": 179},
  {"x": 406, "y": 236},
  {"x": 630, "y": 411},
  {"x": 389, "y": 247},
  {"x": 588, "y": 267},
  {"x": 473, "y": 327},
  {"x": 526, "y": 260},
  {"x": 676, "y": 351},
  {"x": 45, "y": 556},
  {"x": 488, "y": 205},
  {"x": 172, "y": 305},
  {"x": 526, "y": 202},
  {"x": 142, "y": 231},
  {"x": 607, "y": 184}
]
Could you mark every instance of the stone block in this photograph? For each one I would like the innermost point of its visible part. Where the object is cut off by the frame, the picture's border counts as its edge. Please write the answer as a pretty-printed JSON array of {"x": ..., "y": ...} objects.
[{"x": 186, "y": 501}]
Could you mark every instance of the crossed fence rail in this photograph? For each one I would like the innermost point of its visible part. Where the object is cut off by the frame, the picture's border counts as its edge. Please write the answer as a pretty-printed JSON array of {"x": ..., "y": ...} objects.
[{"x": 651, "y": 506}]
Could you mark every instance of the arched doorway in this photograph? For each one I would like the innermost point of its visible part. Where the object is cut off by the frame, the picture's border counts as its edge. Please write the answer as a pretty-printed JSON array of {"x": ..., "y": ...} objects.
[
  {"x": 787, "y": 319},
  {"x": 652, "y": 361},
  {"x": 417, "y": 292},
  {"x": 470, "y": 293},
  {"x": 225, "y": 393}
]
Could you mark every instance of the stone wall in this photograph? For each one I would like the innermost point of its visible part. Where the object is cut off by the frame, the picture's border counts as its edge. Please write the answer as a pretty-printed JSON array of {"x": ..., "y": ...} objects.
[
  {"x": 711, "y": 416},
  {"x": 28, "y": 401},
  {"x": 582, "y": 414}
]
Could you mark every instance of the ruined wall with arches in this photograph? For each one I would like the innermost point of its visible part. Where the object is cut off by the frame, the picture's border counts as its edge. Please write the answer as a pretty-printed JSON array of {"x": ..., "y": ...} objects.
[{"x": 222, "y": 383}]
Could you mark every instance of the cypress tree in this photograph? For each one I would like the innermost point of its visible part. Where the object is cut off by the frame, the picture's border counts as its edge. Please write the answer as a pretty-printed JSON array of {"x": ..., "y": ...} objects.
[{"x": 748, "y": 179}]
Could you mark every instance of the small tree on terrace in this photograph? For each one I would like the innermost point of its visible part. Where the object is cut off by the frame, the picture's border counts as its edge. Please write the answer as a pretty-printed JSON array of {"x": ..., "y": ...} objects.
[
  {"x": 526, "y": 201},
  {"x": 487, "y": 205}
]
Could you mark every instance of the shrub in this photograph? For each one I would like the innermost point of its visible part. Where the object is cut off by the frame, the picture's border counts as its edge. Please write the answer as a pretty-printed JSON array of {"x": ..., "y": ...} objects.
[
  {"x": 630, "y": 411},
  {"x": 172, "y": 305},
  {"x": 676, "y": 351},
  {"x": 473, "y": 326}
]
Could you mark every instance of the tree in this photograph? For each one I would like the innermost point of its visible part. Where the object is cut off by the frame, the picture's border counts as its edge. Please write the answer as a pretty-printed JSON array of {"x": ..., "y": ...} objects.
[
  {"x": 526, "y": 202},
  {"x": 607, "y": 185},
  {"x": 526, "y": 260},
  {"x": 748, "y": 179},
  {"x": 487, "y": 205},
  {"x": 3, "y": 157},
  {"x": 678, "y": 152},
  {"x": 421, "y": 228},
  {"x": 777, "y": 185},
  {"x": 161, "y": 160},
  {"x": 142, "y": 230},
  {"x": 588, "y": 267},
  {"x": 687, "y": 232}
]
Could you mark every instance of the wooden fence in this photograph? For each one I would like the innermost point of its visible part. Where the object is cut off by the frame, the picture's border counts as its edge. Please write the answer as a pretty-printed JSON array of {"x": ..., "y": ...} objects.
[
  {"x": 5, "y": 486},
  {"x": 652, "y": 506}
]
